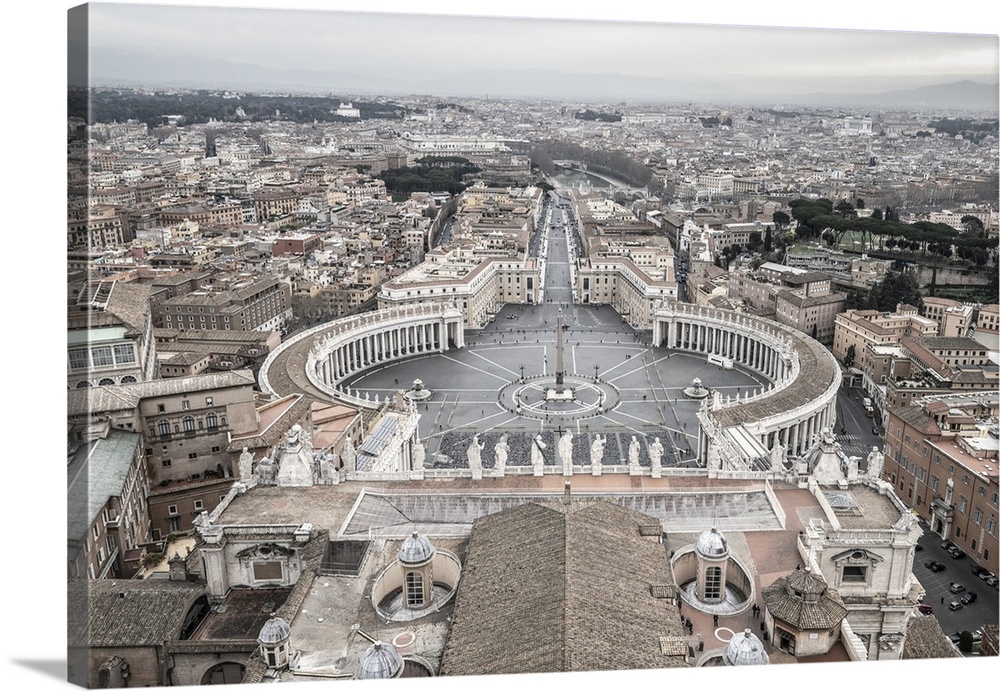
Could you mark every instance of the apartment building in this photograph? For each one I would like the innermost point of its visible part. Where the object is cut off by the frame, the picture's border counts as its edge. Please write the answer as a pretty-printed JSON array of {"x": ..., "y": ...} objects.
[
  {"x": 240, "y": 303},
  {"x": 952, "y": 317},
  {"x": 941, "y": 457},
  {"x": 865, "y": 329},
  {"x": 109, "y": 334},
  {"x": 938, "y": 365},
  {"x": 108, "y": 520}
]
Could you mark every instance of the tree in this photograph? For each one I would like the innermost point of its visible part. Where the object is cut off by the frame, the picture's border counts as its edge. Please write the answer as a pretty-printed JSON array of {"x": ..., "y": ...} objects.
[
  {"x": 845, "y": 209},
  {"x": 753, "y": 241},
  {"x": 781, "y": 219},
  {"x": 849, "y": 356},
  {"x": 897, "y": 287},
  {"x": 973, "y": 226},
  {"x": 767, "y": 239}
]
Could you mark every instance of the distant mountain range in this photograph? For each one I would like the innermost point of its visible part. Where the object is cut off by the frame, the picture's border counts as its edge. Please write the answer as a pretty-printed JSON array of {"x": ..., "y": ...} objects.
[{"x": 117, "y": 68}]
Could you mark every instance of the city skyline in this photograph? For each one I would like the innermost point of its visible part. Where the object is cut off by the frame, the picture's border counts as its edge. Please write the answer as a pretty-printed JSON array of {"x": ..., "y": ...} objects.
[
  {"x": 39, "y": 656},
  {"x": 376, "y": 52}
]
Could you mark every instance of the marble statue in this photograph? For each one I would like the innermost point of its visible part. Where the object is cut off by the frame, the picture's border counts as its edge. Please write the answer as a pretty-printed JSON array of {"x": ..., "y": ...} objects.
[
  {"x": 349, "y": 454},
  {"x": 501, "y": 449},
  {"x": 597, "y": 453},
  {"x": 875, "y": 460},
  {"x": 633, "y": 453},
  {"x": 246, "y": 466},
  {"x": 474, "y": 452},
  {"x": 419, "y": 455},
  {"x": 537, "y": 454},
  {"x": 566, "y": 452},
  {"x": 655, "y": 455}
]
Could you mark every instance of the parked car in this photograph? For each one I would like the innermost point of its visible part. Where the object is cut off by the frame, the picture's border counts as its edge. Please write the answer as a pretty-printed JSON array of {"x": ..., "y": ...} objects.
[
  {"x": 956, "y": 587},
  {"x": 978, "y": 570},
  {"x": 984, "y": 574},
  {"x": 938, "y": 567},
  {"x": 954, "y": 605},
  {"x": 930, "y": 563},
  {"x": 969, "y": 598},
  {"x": 957, "y": 554},
  {"x": 925, "y": 609},
  {"x": 992, "y": 580},
  {"x": 919, "y": 548}
]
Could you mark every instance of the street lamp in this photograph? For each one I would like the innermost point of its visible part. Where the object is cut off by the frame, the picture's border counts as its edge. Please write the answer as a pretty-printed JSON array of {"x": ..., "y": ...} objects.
[
  {"x": 522, "y": 373},
  {"x": 596, "y": 368}
]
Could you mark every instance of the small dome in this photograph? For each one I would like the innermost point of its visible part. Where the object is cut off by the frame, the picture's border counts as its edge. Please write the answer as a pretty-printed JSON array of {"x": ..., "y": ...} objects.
[
  {"x": 275, "y": 630},
  {"x": 380, "y": 661},
  {"x": 416, "y": 549},
  {"x": 712, "y": 543},
  {"x": 745, "y": 649}
]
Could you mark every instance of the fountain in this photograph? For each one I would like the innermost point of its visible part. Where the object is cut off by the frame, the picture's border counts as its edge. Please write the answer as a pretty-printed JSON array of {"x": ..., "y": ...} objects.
[
  {"x": 418, "y": 392},
  {"x": 696, "y": 390}
]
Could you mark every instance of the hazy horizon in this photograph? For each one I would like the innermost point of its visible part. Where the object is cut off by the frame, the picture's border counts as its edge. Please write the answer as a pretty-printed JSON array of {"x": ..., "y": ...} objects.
[{"x": 392, "y": 53}]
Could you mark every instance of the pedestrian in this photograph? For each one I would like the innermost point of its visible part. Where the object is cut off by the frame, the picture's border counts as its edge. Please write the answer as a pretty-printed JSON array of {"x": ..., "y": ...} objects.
[
  {"x": 715, "y": 620},
  {"x": 942, "y": 600}
]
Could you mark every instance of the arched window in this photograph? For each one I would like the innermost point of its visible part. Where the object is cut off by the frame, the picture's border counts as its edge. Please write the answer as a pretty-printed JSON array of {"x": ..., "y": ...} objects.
[
  {"x": 164, "y": 428},
  {"x": 212, "y": 420},
  {"x": 414, "y": 589},
  {"x": 129, "y": 379},
  {"x": 188, "y": 424},
  {"x": 106, "y": 381},
  {"x": 713, "y": 583},
  {"x": 82, "y": 384}
]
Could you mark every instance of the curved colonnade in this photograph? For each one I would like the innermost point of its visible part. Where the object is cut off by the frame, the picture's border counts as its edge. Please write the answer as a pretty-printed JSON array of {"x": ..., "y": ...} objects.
[
  {"x": 805, "y": 377},
  {"x": 339, "y": 350},
  {"x": 787, "y": 414}
]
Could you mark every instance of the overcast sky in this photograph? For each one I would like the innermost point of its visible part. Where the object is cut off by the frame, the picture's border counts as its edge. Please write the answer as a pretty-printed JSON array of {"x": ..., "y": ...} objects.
[{"x": 313, "y": 39}]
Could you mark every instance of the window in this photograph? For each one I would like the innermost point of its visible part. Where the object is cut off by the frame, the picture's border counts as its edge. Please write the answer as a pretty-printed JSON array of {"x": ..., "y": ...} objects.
[
  {"x": 855, "y": 574},
  {"x": 189, "y": 425},
  {"x": 79, "y": 358},
  {"x": 192, "y": 456},
  {"x": 102, "y": 356},
  {"x": 124, "y": 353},
  {"x": 991, "y": 525},
  {"x": 977, "y": 517},
  {"x": 208, "y": 400},
  {"x": 713, "y": 583},
  {"x": 165, "y": 463},
  {"x": 211, "y": 420},
  {"x": 962, "y": 504},
  {"x": 934, "y": 482},
  {"x": 186, "y": 405},
  {"x": 414, "y": 589},
  {"x": 198, "y": 505},
  {"x": 172, "y": 510},
  {"x": 160, "y": 408}
]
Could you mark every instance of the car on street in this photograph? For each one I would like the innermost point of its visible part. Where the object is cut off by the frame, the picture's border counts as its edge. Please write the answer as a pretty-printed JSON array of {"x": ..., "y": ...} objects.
[
  {"x": 956, "y": 587},
  {"x": 977, "y": 636},
  {"x": 978, "y": 570},
  {"x": 925, "y": 609},
  {"x": 992, "y": 580},
  {"x": 969, "y": 598},
  {"x": 934, "y": 566},
  {"x": 954, "y": 605}
]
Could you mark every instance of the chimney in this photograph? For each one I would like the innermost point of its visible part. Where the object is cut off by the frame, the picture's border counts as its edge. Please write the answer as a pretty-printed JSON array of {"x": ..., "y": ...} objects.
[{"x": 178, "y": 568}]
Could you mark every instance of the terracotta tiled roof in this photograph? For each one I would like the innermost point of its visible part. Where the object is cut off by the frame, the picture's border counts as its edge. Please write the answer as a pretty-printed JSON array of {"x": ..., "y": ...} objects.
[
  {"x": 925, "y": 639},
  {"x": 805, "y": 613},
  {"x": 109, "y": 613},
  {"x": 553, "y": 587}
]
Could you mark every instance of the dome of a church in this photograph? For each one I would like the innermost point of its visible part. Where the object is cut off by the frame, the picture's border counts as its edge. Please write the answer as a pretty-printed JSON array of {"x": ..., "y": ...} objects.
[
  {"x": 416, "y": 549},
  {"x": 274, "y": 631},
  {"x": 745, "y": 649},
  {"x": 712, "y": 544},
  {"x": 380, "y": 661}
]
